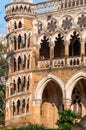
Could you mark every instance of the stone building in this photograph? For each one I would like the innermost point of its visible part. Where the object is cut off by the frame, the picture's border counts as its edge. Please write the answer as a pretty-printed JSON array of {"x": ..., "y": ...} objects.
[{"x": 46, "y": 52}]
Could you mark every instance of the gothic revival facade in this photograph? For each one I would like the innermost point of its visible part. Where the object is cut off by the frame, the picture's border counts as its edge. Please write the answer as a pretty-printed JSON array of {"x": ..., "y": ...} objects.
[{"x": 46, "y": 53}]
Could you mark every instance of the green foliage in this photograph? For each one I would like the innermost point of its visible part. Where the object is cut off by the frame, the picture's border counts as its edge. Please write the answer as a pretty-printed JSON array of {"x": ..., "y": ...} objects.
[
  {"x": 30, "y": 127},
  {"x": 2, "y": 60},
  {"x": 67, "y": 120},
  {"x": 2, "y": 88}
]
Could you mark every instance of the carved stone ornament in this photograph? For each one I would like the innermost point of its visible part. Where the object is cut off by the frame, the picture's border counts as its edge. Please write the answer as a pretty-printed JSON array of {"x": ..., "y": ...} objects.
[
  {"x": 51, "y": 26},
  {"x": 82, "y": 21},
  {"x": 67, "y": 23}
]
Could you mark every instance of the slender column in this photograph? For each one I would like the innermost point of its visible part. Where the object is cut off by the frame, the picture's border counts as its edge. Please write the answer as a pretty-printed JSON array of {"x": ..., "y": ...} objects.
[
  {"x": 67, "y": 104},
  {"x": 66, "y": 49},
  {"x": 51, "y": 52},
  {"x": 37, "y": 54},
  {"x": 66, "y": 52},
  {"x": 83, "y": 101},
  {"x": 82, "y": 50}
]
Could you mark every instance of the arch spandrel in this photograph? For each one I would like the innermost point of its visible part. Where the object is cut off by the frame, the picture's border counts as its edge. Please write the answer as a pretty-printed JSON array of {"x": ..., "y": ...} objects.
[{"x": 42, "y": 84}]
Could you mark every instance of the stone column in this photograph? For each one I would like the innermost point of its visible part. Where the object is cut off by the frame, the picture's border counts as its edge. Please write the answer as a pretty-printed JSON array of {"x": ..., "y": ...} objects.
[
  {"x": 37, "y": 54},
  {"x": 66, "y": 52},
  {"x": 82, "y": 50},
  {"x": 67, "y": 104},
  {"x": 36, "y": 111},
  {"x": 83, "y": 47},
  {"x": 51, "y": 52}
]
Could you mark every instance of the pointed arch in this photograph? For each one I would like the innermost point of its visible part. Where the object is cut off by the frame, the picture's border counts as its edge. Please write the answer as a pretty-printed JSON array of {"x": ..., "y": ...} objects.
[
  {"x": 42, "y": 84},
  {"x": 72, "y": 82}
]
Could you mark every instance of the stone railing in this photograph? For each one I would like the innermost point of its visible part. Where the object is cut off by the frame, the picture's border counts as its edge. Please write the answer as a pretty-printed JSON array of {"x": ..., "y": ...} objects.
[
  {"x": 43, "y": 64},
  {"x": 58, "y": 63},
  {"x": 44, "y": 7},
  {"x": 55, "y": 5},
  {"x": 74, "y": 61},
  {"x": 61, "y": 62}
]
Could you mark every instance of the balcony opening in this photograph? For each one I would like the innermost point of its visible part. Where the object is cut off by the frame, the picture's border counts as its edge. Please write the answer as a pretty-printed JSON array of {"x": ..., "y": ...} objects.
[
  {"x": 59, "y": 46},
  {"x": 45, "y": 49},
  {"x": 74, "y": 47}
]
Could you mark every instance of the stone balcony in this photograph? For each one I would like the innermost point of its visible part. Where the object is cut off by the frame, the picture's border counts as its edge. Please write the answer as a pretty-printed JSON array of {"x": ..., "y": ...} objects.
[{"x": 62, "y": 62}]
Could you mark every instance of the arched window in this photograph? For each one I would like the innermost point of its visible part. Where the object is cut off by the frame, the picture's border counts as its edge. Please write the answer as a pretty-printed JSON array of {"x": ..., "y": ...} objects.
[
  {"x": 23, "y": 105},
  {"x": 15, "y": 46},
  {"x": 45, "y": 49},
  {"x": 18, "y": 107},
  {"x": 19, "y": 63},
  {"x": 59, "y": 46},
  {"x": 28, "y": 82},
  {"x": 21, "y": 8},
  {"x": 19, "y": 84},
  {"x": 14, "y": 64},
  {"x": 19, "y": 41},
  {"x": 28, "y": 63},
  {"x": 74, "y": 47},
  {"x": 24, "y": 40},
  {"x": 16, "y": 8},
  {"x": 20, "y": 24},
  {"x": 27, "y": 106},
  {"x": 29, "y": 9},
  {"x": 15, "y": 25},
  {"x": 12, "y": 9},
  {"x": 25, "y": 8},
  {"x": 23, "y": 83},
  {"x": 14, "y": 86},
  {"x": 24, "y": 64},
  {"x": 29, "y": 40},
  {"x": 14, "y": 108}
]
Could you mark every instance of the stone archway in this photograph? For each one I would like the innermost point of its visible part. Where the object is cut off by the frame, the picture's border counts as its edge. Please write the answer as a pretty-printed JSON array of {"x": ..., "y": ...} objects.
[
  {"x": 79, "y": 97},
  {"x": 76, "y": 90},
  {"x": 51, "y": 103},
  {"x": 43, "y": 86}
]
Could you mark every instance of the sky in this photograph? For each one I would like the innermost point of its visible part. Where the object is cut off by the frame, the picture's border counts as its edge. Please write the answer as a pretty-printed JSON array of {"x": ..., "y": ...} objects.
[{"x": 2, "y": 14}]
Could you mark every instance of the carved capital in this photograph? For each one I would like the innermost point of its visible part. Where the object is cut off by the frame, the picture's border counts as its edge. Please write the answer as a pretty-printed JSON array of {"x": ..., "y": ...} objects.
[
  {"x": 67, "y": 102},
  {"x": 37, "y": 102}
]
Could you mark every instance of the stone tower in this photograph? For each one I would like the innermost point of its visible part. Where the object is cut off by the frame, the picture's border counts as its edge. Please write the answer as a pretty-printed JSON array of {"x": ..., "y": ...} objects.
[
  {"x": 46, "y": 55},
  {"x": 19, "y": 17}
]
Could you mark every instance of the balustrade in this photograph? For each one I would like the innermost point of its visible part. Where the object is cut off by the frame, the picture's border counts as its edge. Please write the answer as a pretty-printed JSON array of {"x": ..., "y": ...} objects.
[
  {"x": 44, "y": 64},
  {"x": 74, "y": 61},
  {"x": 61, "y": 62},
  {"x": 44, "y": 7},
  {"x": 58, "y": 63}
]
